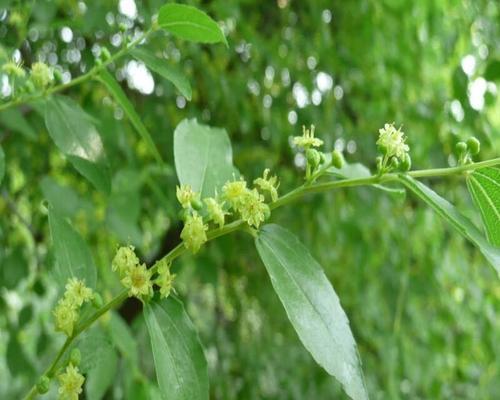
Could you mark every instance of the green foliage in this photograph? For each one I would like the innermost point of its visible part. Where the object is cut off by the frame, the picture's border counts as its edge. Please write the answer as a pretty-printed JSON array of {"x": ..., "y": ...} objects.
[
  {"x": 312, "y": 306},
  {"x": 167, "y": 71},
  {"x": 190, "y": 23},
  {"x": 72, "y": 255},
  {"x": 484, "y": 187},
  {"x": 203, "y": 157},
  {"x": 79, "y": 80},
  {"x": 462, "y": 224},
  {"x": 73, "y": 131},
  {"x": 180, "y": 365}
]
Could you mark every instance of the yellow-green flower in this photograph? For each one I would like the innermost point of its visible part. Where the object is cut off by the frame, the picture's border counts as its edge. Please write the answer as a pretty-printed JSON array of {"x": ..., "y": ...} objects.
[
  {"x": 124, "y": 260},
  {"x": 138, "y": 281},
  {"x": 234, "y": 191},
  {"x": 70, "y": 383},
  {"x": 269, "y": 185},
  {"x": 165, "y": 279},
  {"x": 392, "y": 141},
  {"x": 66, "y": 316},
  {"x": 253, "y": 210},
  {"x": 41, "y": 75},
  {"x": 194, "y": 232},
  {"x": 215, "y": 211},
  {"x": 77, "y": 293},
  {"x": 307, "y": 139},
  {"x": 14, "y": 69},
  {"x": 185, "y": 195}
]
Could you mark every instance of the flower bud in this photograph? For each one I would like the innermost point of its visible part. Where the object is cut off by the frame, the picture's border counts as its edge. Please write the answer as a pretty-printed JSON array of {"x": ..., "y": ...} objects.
[
  {"x": 58, "y": 75},
  {"x": 337, "y": 159},
  {"x": 196, "y": 204},
  {"x": 43, "y": 384},
  {"x": 473, "y": 145},
  {"x": 313, "y": 158},
  {"x": 461, "y": 147},
  {"x": 75, "y": 357},
  {"x": 406, "y": 163},
  {"x": 122, "y": 27},
  {"x": 97, "y": 300},
  {"x": 394, "y": 163},
  {"x": 41, "y": 75},
  {"x": 105, "y": 54}
]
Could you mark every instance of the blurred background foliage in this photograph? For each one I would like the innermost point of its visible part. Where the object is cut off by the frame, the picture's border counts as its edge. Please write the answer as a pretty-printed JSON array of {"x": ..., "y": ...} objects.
[{"x": 423, "y": 304}]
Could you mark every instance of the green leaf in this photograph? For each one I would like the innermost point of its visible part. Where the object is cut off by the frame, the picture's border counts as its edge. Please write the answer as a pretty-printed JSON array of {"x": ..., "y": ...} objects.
[
  {"x": 121, "y": 98},
  {"x": 181, "y": 368},
  {"x": 64, "y": 199},
  {"x": 2, "y": 164},
  {"x": 462, "y": 224},
  {"x": 203, "y": 156},
  {"x": 189, "y": 23},
  {"x": 312, "y": 306},
  {"x": 73, "y": 257},
  {"x": 122, "y": 338},
  {"x": 102, "y": 376},
  {"x": 484, "y": 187},
  {"x": 74, "y": 133},
  {"x": 162, "y": 68},
  {"x": 14, "y": 120}
]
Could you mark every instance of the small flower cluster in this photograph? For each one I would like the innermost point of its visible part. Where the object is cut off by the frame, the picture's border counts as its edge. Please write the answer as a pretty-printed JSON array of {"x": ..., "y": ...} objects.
[
  {"x": 467, "y": 149},
  {"x": 236, "y": 199},
  {"x": 40, "y": 77},
  {"x": 137, "y": 278},
  {"x": 391, "y": 143},
  {"x": 71, "y": 381},
  {"x": 67, "y": 311},
  {"x": 317, "y": 161}
]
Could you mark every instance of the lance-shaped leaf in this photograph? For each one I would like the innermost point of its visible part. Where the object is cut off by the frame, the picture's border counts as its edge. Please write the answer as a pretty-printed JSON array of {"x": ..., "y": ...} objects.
[
  {"x": 73, "y": 257},
  {"x": 189, "y": 23},
  {"x": 122, "y": 99},
  {"x": 162, "y": 68},
  {"x": 312, "y": 306},
  {"x": 181, "y": 368},
  {"x": 203, "y": 156},
  {"x": 74, "y": 133},
  {"x": 484, "y": 187},
  {"x": 461, "y": 223}
]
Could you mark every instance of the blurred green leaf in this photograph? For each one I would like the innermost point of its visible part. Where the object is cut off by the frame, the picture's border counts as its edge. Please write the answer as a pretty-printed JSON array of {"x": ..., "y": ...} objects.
[
  {"x": 181, "y": 368},
  {"x": 492, "y": 72},
  {"x": 73, "y": 257},
  {"x": 203, "y": 156},
  {"x": 16, "y": 121},
  {"x": 462, "y": 224},
  {"x": 120, "y": 97},
  {"x": 100, "y": 378},
  {"x": 76, "y": 136},
  {"x": 122, "y": 338},
  {"x": 63, "y": 198},
  {"x": 2, "y": 164},
  {"x": 312, "y": 306},
  {"x": 484, "y": 187},
  {"x": 189, "y": 23},
  {"x": 162, "y": 68}
]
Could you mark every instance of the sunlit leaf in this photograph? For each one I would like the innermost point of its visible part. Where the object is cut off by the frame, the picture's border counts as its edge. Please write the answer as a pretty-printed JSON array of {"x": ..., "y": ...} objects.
[
  {"x": 312, "y": 306},
  {"x": 484, "y": 186},
  {"x": 189, "y": 23},
  {"x": 203, "y": 156}
]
